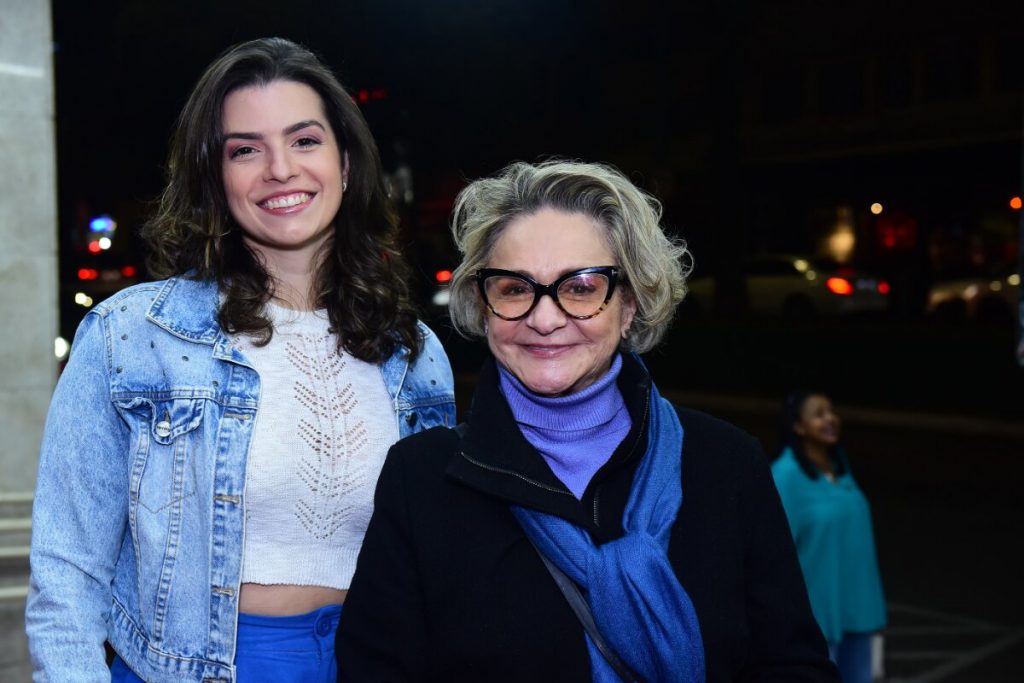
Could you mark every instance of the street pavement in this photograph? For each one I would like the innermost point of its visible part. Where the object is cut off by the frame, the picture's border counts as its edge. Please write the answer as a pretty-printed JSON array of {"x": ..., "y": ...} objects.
[{"x": 949, "y": 522}]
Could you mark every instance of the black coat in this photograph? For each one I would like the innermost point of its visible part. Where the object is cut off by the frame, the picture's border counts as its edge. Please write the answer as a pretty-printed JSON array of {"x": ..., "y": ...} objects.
[{"x": 448, "y": 588}]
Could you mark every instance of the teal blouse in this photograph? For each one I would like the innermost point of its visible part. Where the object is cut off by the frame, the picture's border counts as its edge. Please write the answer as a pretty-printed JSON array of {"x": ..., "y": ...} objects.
[{"x": 831, "y": 524}]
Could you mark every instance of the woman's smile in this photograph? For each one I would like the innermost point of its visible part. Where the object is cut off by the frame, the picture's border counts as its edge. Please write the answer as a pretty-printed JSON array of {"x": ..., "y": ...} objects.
[{"x": 281, "y": 204}]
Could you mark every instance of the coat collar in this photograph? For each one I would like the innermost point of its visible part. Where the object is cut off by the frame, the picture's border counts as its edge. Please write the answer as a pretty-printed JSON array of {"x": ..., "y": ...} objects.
[{"x": 494, "y": 457}]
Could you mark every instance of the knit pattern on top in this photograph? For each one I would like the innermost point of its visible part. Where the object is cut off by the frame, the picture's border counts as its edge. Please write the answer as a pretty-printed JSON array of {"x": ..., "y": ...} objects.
[{"x": 323, "y": 429}]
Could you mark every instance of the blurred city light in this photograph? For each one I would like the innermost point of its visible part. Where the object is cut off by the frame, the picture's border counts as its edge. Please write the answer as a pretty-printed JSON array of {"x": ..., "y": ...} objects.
[
  {"x": 443, "y": 276},
  {"x": 129, "y": 271},
  {"x": 441, "y": 297},
  {"x": 897, "y": 230},
  {"x": 1013, "y": 280},
  {"x": 884, "y": 288},
  {"x": 1015, "y": 203},
  {"x": 876, "y": 208},
  {"x": 839, "y": 285},
  {"x": 104, "y": 243},
  {"x": 61, "y": 348},
  {"x": 102, "y": 223},
  {"x": 88, "y": 274},
  {"x": 83, "y": 299},
  {"x": 801, "y": 264},
  {"x": 841, "y": 242},
  {"x": 365, "y": 95},
  {"x": 94, "y": 247}
]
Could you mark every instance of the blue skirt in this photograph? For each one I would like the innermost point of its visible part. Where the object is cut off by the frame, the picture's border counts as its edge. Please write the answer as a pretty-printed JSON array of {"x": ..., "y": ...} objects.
[{"x": 292, "y": 649}]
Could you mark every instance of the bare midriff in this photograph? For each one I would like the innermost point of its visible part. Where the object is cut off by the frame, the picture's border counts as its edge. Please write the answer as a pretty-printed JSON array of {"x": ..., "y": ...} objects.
[{"x": 285, "y": 600}]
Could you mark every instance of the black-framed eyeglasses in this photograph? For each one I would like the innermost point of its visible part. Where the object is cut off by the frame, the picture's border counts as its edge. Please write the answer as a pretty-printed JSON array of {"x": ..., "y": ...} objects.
[{"x": 581, "y": 294}]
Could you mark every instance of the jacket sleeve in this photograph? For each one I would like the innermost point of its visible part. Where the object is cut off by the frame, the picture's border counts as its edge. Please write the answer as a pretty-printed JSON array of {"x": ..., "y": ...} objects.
[
  {"x": 433, "y": 354},
  {"x": 427, "y": 389},
  {"x": 78, "y": 517},
  {"x": 382, "y": 633},
  {"x": 786, "y": 644}
]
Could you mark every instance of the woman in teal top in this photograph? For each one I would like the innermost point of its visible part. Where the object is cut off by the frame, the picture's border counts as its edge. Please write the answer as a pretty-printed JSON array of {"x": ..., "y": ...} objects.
[{"x": 831, "y": 524}]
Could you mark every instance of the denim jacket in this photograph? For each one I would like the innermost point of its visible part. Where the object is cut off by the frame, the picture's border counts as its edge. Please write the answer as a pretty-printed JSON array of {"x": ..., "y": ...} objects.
[{"x": 139, "y": 508}]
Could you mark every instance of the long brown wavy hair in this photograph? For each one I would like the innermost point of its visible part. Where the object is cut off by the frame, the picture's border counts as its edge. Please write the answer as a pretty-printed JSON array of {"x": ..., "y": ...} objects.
[{"x": 362, "y": 279}]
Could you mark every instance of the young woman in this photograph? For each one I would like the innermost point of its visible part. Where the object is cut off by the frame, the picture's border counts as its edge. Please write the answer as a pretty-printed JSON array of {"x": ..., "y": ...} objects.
[
  {"x": 831, "y": 524},
  {"x": 213, "y": 444}
]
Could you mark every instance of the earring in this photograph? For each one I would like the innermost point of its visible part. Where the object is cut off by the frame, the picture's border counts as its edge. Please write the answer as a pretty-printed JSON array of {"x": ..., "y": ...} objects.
[{"x": 344, "y": 184}]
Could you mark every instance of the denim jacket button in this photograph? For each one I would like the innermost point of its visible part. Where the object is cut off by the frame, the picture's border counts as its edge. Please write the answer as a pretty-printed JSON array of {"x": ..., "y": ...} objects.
[{"x": 163, "y": 429}]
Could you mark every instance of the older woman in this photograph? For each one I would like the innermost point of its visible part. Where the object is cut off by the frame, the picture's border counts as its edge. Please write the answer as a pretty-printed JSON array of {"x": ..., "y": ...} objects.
[{"x": 664, "y": 520}]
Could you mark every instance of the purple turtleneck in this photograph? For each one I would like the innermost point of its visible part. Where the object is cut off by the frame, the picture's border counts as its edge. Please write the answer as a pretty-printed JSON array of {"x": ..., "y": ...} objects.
[{"x": 576, "y": 434}]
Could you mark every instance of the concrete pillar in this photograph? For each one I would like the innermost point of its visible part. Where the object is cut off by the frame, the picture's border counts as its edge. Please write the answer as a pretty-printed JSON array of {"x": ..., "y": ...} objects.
[{"x": 28, "y": 236}]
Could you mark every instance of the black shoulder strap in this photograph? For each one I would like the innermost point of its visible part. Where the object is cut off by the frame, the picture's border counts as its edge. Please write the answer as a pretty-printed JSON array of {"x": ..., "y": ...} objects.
[{"x": 579, "y": 605}]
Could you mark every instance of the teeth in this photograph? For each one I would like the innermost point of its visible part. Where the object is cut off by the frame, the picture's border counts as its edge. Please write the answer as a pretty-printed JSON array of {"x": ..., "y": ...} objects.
[{"x": 285, "y": 202}]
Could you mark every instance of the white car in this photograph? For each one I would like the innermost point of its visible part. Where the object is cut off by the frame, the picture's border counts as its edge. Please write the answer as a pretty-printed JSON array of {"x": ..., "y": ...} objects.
[
  {"x": 797, "y": 286},
  {"x": 984, "y": 299}
]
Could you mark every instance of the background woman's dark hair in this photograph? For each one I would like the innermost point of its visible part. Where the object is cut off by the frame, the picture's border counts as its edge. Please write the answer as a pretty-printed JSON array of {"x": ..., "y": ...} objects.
[
  {"x": 362, "y": 279},
  {"x": 788, "y": 438}
]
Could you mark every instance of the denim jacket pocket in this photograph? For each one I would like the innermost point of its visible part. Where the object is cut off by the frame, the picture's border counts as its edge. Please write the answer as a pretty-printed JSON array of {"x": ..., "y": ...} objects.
[{"x": 165, "y": 436}]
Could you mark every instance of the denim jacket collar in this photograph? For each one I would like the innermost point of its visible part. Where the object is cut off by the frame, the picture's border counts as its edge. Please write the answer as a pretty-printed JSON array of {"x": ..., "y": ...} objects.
[{"x": 187, "y": 308}]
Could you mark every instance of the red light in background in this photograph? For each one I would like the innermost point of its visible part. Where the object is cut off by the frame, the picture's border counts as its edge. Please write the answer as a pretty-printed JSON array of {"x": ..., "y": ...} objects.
[
  {"x": 94, "y": 247},
  {"x": 443, "y": 276},
  {"x": 88, "y": 274},
  {"x": 1015, "y": 203},
  {"x": 884, "y": 288},
  {"x": 839, "y": 285},
  {"x": 129, "y": 271},
  {"x": 897, "y": 230},
  {"x": 363, "y": 95}
]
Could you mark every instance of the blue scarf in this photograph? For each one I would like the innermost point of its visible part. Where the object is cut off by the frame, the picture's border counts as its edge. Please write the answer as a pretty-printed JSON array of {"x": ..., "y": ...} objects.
[{"x": 638, "y": 604}]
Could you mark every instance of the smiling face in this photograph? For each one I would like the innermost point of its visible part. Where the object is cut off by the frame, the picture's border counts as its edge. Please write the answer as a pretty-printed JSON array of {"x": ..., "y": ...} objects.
[
  {"x": 818, "y": 423},
  {"x": 282, "y": 169},
  {"x": 551, "y": 353}
]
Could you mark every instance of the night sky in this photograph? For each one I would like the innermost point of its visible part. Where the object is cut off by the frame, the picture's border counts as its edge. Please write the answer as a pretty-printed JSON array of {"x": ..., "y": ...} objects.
[{"x": 468, "y": 89}]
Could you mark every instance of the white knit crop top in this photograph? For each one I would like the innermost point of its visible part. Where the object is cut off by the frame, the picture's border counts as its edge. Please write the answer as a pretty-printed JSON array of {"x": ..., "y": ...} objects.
[{"x": 324, "y": 425}]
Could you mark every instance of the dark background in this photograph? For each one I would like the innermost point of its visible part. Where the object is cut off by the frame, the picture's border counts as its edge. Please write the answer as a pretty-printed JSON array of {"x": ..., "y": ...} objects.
[{"x": 756, "y": 124}]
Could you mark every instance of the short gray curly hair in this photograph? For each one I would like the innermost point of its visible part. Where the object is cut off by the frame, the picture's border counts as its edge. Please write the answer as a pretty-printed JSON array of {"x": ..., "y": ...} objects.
[{"x": 655, "y": 265}]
